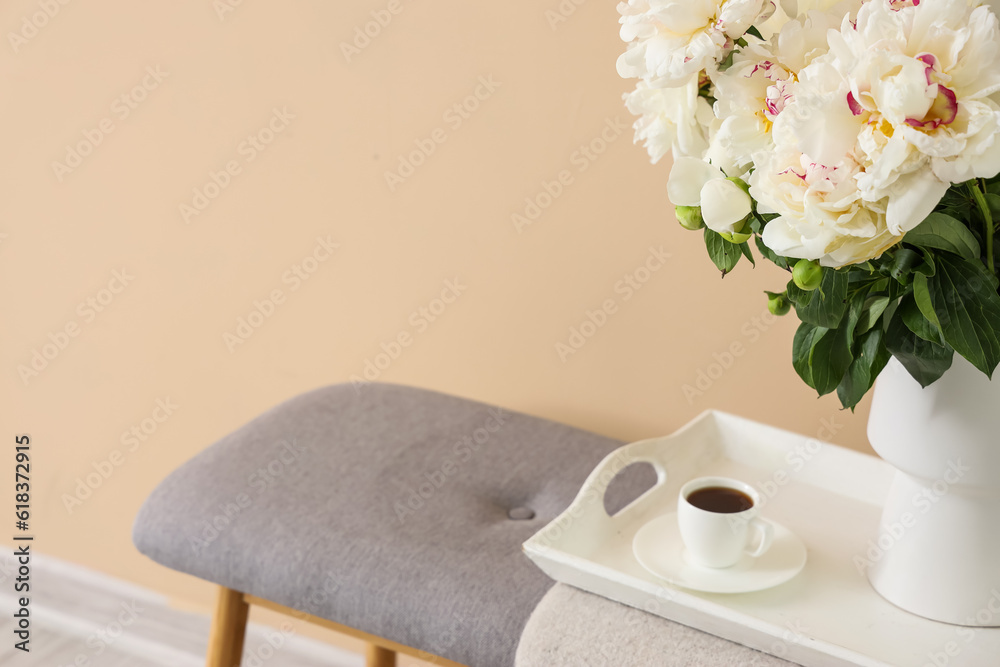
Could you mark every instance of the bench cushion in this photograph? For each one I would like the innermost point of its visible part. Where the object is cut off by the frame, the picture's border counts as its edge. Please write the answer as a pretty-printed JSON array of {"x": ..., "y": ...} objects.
[
  {"x": 572, "y": 628},
  {"x": 380, "y": 507}
]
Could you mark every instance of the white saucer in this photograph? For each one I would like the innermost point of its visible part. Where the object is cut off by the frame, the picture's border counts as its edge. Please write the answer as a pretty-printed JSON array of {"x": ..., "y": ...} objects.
[{"x": 659, "y": 549}]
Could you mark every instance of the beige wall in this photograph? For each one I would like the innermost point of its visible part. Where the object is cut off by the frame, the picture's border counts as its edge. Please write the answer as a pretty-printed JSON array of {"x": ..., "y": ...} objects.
[{"x": 67, "y": 231}]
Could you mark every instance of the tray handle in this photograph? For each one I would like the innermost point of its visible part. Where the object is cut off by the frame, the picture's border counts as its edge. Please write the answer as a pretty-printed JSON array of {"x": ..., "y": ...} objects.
[{"x": 597, "y": 483}]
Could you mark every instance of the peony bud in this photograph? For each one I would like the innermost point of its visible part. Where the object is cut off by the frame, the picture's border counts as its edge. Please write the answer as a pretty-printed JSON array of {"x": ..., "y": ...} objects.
[
  {"x": 741, "y": 233},
  {"x": 777, "y": 304},
  {"x": 807, "y": 274},
  {"x": 741, "y": 183},
  {"x": 689, "y": 217}
]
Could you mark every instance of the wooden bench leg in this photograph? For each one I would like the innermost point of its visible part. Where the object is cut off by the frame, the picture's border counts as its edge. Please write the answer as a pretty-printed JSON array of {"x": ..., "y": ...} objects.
[
  {"x": 225, "y": 643},
  {"x": 376, "y": 656}
]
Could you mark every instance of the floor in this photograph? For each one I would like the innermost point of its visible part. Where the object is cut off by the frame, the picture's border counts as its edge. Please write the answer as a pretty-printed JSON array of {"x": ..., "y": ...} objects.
[{"x": 80, "y": 618}]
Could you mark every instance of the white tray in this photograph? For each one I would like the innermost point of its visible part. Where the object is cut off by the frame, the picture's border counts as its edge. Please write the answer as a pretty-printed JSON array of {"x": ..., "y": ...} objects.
[{"x": 830, "y": 497}]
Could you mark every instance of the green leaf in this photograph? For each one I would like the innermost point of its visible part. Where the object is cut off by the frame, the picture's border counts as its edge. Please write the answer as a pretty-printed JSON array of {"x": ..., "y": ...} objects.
[
  {"x": 922, "y": 297},
  {"x": 944, "y": 232},
  {"x": 915, "y": 321},
  {"x": 807, "y": 337},
  {"x": 963, "y": 296},
  {"x": 745, "y": 249},
  {"x": 927, "y": 267},
  {"x": 724, "y": 254},
  {"x": 903, "y": 263},
  {"x": 820, "y": 356},
  {"x": 993, "y": 201},
  {"x": 924, "y": 360},
  {"x": 728, "y": 62},
  {"x": 956, "y": 204},
  {"x": 823, "y": 307},
  {"x": 889, "y": 314},
  {"x": 769, "y": 254},
  {"x": 869, "y": 360},
  {"x": 871, "y": 312},
  {"x": 882, "y": 285}
]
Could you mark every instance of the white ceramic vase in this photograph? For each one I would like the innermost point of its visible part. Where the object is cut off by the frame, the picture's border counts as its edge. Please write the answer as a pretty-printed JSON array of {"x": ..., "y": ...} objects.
[{"x": 937, "y": 554}]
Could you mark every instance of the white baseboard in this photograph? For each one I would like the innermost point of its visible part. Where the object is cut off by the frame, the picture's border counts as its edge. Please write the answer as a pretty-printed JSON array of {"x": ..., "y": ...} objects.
[{"x": 78, "y": 612}]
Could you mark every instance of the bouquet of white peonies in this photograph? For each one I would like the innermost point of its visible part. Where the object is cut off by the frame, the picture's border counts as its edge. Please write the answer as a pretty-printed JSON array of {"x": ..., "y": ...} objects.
[{"x": 857, "y": 145}]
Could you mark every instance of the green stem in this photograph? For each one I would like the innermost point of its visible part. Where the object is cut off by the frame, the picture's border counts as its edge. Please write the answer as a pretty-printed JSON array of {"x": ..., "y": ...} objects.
[
  {"x": 759, "y": 219},
  {"x": 978, "y": 189}
]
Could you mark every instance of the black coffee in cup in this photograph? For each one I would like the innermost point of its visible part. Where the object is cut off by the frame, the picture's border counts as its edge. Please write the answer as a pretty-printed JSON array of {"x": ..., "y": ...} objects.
[{"x": 720, "y": 499}]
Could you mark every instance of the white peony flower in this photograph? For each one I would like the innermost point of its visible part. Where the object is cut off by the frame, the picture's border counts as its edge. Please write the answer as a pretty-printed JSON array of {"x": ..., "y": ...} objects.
[
  {"x": 743, "y": 106},
  {"x": 850, "y": 119},
  {"x": 799, "y": 8},
  {"x": 822, "y": 213},
  {"x": 671, "y": 119},
  {"x": 906, "y": 91},
  {"x": 804, "y": 38},
  {"x": 760, "y": 83},
  {"x": 671, "y": 40},
  {"x": 723, "y": 203}
]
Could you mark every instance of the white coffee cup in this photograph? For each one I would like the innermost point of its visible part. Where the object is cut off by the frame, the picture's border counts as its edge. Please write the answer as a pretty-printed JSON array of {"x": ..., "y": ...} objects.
[{"x": 720, "y": 538}]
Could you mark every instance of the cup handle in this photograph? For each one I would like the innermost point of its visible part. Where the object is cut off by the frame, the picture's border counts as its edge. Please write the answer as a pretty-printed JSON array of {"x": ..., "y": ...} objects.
[{"x": 764, "y": 535}]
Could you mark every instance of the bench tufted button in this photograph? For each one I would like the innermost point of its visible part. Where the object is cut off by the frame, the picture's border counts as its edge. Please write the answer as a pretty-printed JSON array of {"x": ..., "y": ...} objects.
[{"x": 521, "y": 514}]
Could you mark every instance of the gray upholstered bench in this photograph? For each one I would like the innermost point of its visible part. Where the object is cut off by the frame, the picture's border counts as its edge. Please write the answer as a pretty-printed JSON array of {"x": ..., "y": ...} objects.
[{"x": 390, "y": 513}]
